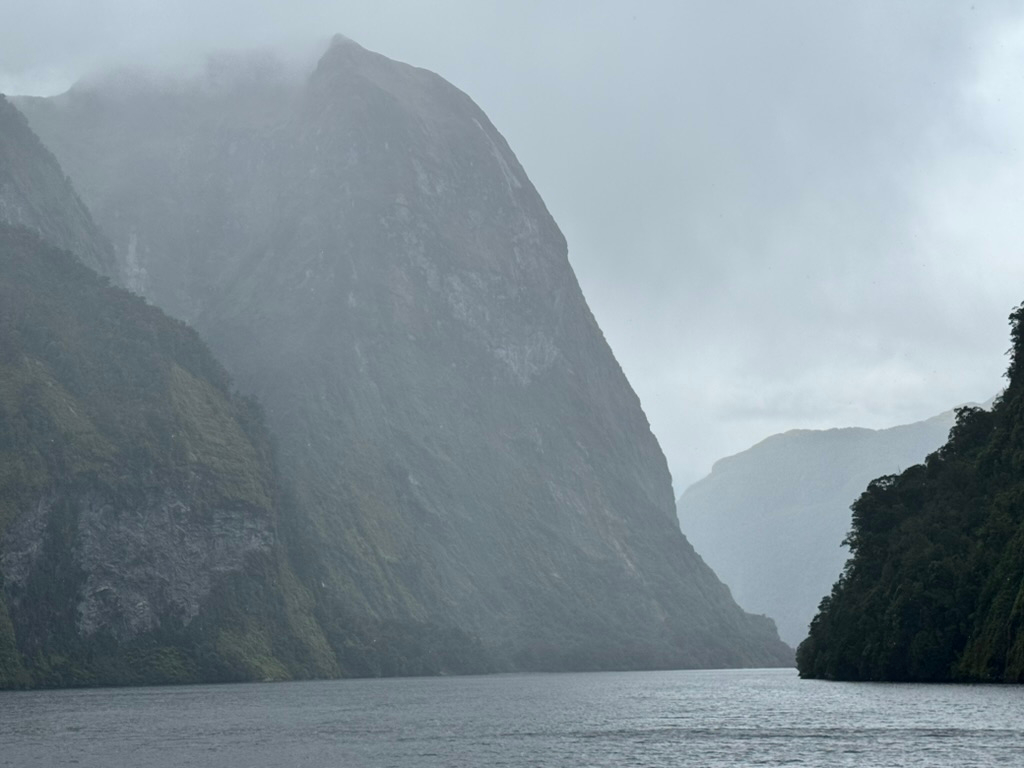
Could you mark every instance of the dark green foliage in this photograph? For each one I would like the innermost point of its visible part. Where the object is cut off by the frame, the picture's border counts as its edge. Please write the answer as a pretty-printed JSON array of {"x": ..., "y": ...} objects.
[
  {"x": 934, "y": 588},
  {"x": 93, "y": 379},
  {"x": 769, "y": 520},
  {"x": 106, "y": 403}
]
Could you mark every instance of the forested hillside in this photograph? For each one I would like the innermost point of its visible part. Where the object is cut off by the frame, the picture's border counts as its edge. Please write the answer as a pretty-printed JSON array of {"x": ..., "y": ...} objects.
[
  {"x": 138, "y": 502},
  {"x": 934, "y": 588}
]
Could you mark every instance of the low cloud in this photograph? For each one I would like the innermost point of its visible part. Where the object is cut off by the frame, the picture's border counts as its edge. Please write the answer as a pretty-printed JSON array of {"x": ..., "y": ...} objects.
[{"x": 788, "y": 214}]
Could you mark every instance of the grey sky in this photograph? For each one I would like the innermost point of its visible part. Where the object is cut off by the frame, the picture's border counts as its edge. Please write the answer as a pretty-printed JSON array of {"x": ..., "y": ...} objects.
[{"x": 783, "y": 214}]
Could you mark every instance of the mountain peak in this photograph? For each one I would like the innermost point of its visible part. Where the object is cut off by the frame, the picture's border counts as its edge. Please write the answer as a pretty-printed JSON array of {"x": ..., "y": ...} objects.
[
  {"x": 341, "y": 41},
  {"x": 343, "y": 51},
  {"x": 368, "y": 257}
]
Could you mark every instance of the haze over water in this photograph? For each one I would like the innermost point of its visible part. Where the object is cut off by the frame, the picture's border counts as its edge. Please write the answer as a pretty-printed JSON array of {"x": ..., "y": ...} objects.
[{"x": 706, "y": 718}]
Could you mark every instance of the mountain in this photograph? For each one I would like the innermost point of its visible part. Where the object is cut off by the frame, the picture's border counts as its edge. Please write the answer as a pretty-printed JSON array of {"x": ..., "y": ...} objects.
[
  {"x": 365, "y": 254},
  {"x": 140, "y": 508},
  {"x": 933, "y": 589},
  {"x": 770, "y": 520},
  {"x": 138, "y": 519},
  {"x": 144, "y": 533},
  {"x": 35, "y": 193}
]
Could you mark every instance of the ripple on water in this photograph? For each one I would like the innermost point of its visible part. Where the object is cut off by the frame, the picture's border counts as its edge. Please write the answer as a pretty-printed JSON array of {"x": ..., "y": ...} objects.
[{"x": 706, "y": 718}]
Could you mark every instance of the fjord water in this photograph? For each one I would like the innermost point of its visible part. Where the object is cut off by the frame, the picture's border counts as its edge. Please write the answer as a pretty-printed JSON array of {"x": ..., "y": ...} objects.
[{"x": 700, "y": 718}]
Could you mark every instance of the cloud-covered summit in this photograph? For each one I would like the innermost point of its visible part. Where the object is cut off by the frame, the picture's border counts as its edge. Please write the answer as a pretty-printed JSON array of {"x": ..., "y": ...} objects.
[{"x": 795, "y": 214}]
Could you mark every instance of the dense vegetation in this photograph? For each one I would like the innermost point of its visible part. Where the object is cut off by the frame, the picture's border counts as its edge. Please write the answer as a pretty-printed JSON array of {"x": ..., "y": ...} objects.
[
  {"x": 934, "y": 588},
  {"x": 109, "y": 407}
]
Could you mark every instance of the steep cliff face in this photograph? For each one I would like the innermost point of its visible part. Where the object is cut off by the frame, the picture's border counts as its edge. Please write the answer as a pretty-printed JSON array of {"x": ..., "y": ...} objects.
[
  {"x": 934, "y": 588},
  {"x": 367, "y": 256},
  {"x": 137, "y": 498},
  {"x": 35, "y": 193},
  {"x": 770, "y": 520},
  {"x": 135, "y": 490}
]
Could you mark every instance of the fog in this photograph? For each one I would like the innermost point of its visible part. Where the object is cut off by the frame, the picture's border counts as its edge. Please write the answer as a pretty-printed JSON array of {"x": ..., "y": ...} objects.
[{"x": 788, "y": 214}]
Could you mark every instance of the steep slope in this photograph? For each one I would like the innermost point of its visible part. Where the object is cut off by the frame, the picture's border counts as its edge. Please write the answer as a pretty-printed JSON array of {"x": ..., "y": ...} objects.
[
  {"x": 769, "y": 520},
  {"x": 138, "y": 519},
  {"x": 138, "y": 500},
  {"x": 366, "y": 254},
  {"x": 934, "y": 588},
  {"x": 35, "y": 193}
]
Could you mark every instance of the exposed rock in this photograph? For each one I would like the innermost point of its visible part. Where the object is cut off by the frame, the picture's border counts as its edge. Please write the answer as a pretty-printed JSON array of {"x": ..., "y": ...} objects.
[{"x": 158, "y": 560}]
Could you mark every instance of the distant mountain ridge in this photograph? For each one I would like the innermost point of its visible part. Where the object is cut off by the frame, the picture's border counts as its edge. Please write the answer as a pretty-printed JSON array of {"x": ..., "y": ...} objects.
[
  {"x": 933, "y": 590},
  {"x": 769, "y": 520},
  {"x": 466, "y": 458}
]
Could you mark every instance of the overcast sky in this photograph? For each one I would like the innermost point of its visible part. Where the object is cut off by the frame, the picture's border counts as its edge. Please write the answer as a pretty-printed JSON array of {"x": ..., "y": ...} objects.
[{"x": 783, "y": 214}]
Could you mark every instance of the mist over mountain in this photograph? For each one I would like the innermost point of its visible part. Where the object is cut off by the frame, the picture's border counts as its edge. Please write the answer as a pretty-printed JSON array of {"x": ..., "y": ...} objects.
[
  {"x": 140, "y": 535},
  {"x": 467, "y": 465},
  {"x": 139, "y": 518},
  {"x": 770, "y": 520},
  {"x": 35, "y": 193}
]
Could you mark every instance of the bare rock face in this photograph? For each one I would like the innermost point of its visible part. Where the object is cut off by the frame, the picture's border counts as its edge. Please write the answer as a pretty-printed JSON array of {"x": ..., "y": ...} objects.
[
  {"x": 366, "y": 255},
  {"x": 141, "y": 564},
  {"x": 158, "y": 560},
  {"x": 130, "y": 490}
]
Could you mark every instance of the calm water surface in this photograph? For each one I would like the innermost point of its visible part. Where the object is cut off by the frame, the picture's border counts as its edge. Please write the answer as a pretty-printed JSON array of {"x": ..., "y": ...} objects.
[{"x": 716, "y": 718}]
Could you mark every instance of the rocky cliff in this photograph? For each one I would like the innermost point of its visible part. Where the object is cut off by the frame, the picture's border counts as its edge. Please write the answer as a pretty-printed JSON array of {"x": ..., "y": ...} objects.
[
  {"x": 770, "y": 520},
  {"x": 138, "y": 511},
  {"x": 139, "y": 506},
  {"x": 366, "y": 255}
]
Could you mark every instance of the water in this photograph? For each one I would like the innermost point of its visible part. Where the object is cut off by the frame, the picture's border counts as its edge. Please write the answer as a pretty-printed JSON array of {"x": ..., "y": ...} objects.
[{"x": 698, "y": 718}]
